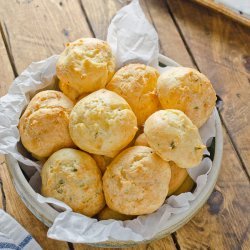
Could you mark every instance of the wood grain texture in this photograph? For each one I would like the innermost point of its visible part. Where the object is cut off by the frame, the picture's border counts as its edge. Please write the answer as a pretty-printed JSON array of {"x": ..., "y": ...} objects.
[
  {"x": 6, "y": 76},
  {"x": 37, "y": 29},
  {"x": 170, "y": 39},
  {"x": 99, "y": 14},
  {"x": 224, "y": 10},
  {"x": 221, "y": 49},
  {"x": 6, "y": 73}
]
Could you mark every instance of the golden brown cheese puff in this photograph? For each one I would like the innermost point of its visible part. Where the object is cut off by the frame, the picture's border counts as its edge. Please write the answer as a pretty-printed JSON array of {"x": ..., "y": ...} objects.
[
  {"x": 102, "y": 161},
  {"x": 178, "y": 176},
  {"x": 73, "y": 177},
  {"x": 141, "y": 140},
  {"x": 107, "y": 214},
  {"x": 85, "y": 65},
  {"x": 188, "y": 90},
  {"x": 186, "y": 186},
  {"x": 44, "y": 126},
  {"x": 136, "y": 181},
  {"x": 174, "y": 137},
  {"x": 102, "y": 123},
  {"x": 136, "y": 83}
]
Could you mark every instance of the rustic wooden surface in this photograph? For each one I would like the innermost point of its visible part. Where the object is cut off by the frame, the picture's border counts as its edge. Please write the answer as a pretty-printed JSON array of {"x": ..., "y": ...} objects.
[
  {"x": 190, "y": 34},
  {"x": 225, "y": 10}
]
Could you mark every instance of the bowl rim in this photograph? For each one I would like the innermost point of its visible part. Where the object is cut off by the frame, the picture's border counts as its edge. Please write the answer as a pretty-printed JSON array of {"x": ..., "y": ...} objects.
[{"x": 47, "y": 214}]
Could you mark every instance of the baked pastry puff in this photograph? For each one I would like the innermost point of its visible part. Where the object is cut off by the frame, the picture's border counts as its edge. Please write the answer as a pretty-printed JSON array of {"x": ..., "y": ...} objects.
[
  {"x": 178, "y": 175},
  {"x": 136, "y": 83},
  {"x": 44, "y": 126},
  {"x": 173, "y": 136},
  {"x": 85, "y": 65},
  {"x": 73, "y": 177},
  {"x": 188, "y": 90},
  {"x": 186, "y": 186},
  {"x": 102, "y": 123},
  {"x": 136, "y": 181}
]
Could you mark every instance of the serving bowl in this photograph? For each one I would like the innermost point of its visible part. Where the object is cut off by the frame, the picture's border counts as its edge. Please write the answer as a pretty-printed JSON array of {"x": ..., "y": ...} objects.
[{"x": 47, "y": 214}]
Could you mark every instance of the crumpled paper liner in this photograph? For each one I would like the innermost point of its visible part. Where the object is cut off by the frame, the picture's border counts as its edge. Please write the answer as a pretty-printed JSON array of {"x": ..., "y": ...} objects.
[{"x": 132, "y": 39}]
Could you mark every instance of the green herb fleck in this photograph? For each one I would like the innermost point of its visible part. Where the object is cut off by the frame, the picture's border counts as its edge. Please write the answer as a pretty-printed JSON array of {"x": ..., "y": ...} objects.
[
  {"x": 172, "y": 145},
  {"x": 96, "y": 134},
  {"x": 197, "y": 148},
  {"x": 196, "y": 107},
  {"x": 74, "y": 170}
]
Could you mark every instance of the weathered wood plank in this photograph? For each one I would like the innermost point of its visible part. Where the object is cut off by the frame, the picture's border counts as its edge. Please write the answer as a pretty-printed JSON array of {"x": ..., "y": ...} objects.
[
  {"x": 37, "y": 29},
  {"x": 9, "y": 199},
  {"x": 222, "y": 223},
  {"x": 170, "y": 39},
  {"x": 6, "y": 76},
  {"x": 221, "y": 49},
  {"x": 6, "y": 73},
  {"x": 225, "y": 10},
  {"x": 99, "y": 14}
]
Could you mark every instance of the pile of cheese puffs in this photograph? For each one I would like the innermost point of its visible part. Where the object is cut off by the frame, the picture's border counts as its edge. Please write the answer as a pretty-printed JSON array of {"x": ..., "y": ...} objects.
[{"x": 116, "y": 142}]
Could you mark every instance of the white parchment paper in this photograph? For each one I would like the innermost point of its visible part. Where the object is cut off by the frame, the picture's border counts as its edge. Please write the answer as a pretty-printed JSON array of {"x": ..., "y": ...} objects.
[{"x": 132, "y": 38}]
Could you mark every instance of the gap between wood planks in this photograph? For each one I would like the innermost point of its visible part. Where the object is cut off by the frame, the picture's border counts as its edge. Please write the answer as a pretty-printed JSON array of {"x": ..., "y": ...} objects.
[
  {"x": 3, "y": 197},
  {"x": 87, "y": 18},
  {"x": 7, "y": 45},
  {"x": 196, "y": 65}
]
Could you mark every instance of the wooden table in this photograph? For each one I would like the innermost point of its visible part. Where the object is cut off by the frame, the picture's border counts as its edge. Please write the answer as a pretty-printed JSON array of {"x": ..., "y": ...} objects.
[{"x": 192, "y": 35}]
